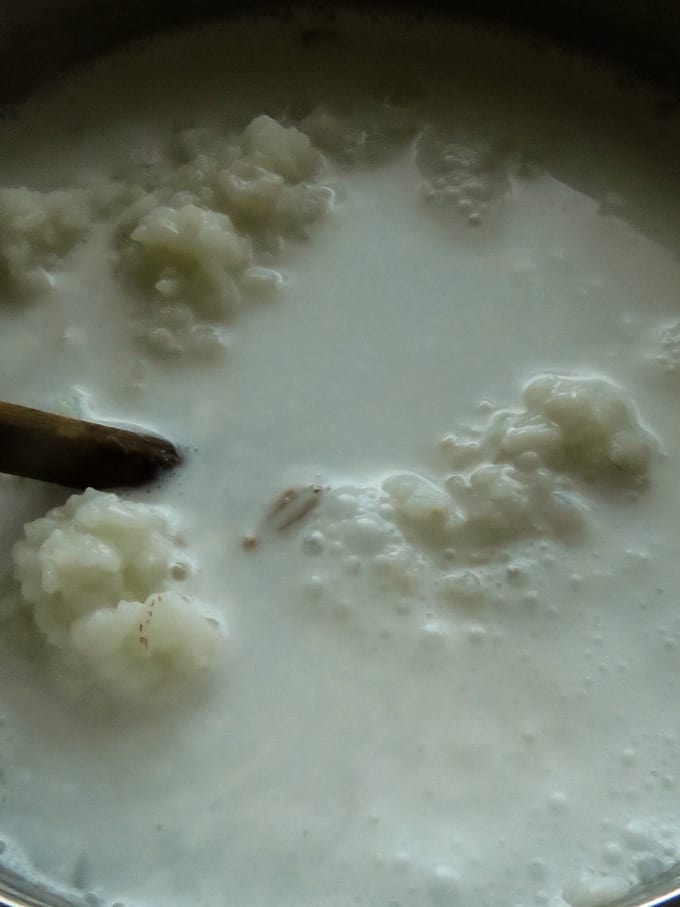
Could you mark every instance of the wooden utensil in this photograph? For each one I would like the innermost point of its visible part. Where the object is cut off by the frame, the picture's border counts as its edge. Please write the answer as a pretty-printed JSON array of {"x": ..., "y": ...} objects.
[{"x": 79, "y": 454}]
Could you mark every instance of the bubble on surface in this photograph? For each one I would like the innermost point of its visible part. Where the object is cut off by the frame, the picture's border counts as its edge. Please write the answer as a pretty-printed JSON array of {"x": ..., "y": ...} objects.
[
  {"x": 352, "y": 565},
  {"x": 364, "y": 536},
  {"x": 464, "y": 586},
  {"x": 434, "y": 634},
  {"x": 613, "y": 853},
  {"x": 593, "y": 892},
  {"x": 477, "y": 634},
  {"x": 314, "y": 587},
  {"x": 314, "y": 542},
  {"x": 558, "y": 801},
  {"x": 637, "y": 837},
  {"x": 180, "y": 571},
  {"x": 443, "y": 885}
]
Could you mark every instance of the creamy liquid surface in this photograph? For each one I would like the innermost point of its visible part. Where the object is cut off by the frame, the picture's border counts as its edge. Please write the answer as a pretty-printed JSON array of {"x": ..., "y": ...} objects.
[{"x": 358, "y": 745}]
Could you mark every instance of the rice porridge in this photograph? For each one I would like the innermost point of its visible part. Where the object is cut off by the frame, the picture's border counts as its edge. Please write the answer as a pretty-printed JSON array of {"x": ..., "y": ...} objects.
[{"x": 403, "y": 629}]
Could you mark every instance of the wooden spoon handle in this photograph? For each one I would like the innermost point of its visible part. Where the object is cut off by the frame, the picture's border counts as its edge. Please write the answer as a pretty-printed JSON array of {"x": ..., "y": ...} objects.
[{"x": 78, "y": 454}]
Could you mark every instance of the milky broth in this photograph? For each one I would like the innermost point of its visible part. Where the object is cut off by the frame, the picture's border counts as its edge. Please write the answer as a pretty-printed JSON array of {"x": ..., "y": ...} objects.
[{"x": 392, "y": 719}]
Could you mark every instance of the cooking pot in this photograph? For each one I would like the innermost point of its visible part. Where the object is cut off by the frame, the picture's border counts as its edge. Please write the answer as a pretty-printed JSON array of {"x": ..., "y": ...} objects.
[
  {"x": 39, "y": 38},
  {"x": 42, "y": 38}
]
